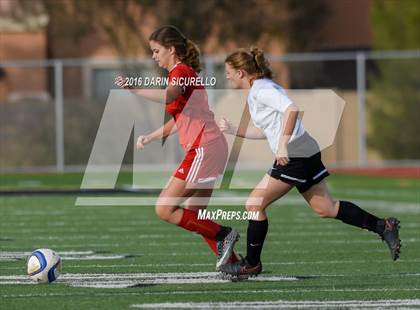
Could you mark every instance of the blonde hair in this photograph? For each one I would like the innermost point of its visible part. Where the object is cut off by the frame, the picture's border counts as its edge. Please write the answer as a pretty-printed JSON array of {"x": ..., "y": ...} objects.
[
  {"x": 253, "y": 62},
  {"x": 186, "y": 50}
]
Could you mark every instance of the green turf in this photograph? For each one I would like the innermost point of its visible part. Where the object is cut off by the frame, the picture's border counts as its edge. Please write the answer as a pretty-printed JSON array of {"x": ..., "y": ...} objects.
[{"x": 337, "y": 262}]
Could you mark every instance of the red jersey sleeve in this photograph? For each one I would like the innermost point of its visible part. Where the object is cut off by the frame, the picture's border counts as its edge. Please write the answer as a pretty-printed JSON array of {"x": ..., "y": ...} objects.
[{"x": 177, "y": 77}]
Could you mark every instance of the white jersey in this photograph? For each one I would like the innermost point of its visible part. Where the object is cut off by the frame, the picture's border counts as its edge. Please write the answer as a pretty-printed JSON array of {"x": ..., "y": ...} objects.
[{"x": 267, "y": 103}]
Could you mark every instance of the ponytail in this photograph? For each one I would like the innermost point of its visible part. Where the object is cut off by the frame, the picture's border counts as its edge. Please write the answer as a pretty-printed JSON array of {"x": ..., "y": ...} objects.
[
  {"x": 261, "y": 62},
  {"x": 253, "y": 62},
  {"x": 191, "y": 56}
]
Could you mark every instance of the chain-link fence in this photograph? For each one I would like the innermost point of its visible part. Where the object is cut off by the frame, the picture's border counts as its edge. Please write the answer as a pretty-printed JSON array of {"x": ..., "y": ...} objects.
[{"x": 51, "y": 110}]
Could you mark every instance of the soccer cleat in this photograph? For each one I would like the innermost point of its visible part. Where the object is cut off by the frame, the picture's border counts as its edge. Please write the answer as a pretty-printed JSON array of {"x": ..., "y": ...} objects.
[
  {"x": 225, "y": 248},
  {"x": 391, "y": 236},
  {"x": 235, "y": 257},
  {"x": 241, "y": 269}
]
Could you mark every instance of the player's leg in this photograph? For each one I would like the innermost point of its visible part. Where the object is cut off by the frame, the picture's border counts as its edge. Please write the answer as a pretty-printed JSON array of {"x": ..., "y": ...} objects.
[
  {"x": 320, "y": 200},
  {"x": 195, "y": 203},
  {"x": 170, "y": 198},
  {"x": 268, "y": 190},
  {"x": 168, "y": 209},
  {"x": 198, "y": 201}
]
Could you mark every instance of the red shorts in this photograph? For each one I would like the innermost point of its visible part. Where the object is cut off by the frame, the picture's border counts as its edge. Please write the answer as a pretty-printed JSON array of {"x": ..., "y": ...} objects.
[{"x": 204, "y": 163}]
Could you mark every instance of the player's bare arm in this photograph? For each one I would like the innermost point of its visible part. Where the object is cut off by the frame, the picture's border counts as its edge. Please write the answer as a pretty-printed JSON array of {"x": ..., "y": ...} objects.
[
  {"x": 290, "y": 116},
  {"x": 155, "y": 95},
  {"x": 251, "y": 132},
  {"x": 165, "y": 131}
]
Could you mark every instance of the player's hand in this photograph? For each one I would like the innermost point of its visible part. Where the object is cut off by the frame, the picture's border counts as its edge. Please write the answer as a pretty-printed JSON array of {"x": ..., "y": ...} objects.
[
  {"x": 142, "y": 141},
  {"x": 281, "y": 157},
  {"x": 121, "y": 82},
  {"x": 226, "y": 126}
]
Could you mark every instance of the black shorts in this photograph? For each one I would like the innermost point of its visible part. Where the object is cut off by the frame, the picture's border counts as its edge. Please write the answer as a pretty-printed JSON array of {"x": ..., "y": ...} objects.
[{"x": 302, "y": 172}]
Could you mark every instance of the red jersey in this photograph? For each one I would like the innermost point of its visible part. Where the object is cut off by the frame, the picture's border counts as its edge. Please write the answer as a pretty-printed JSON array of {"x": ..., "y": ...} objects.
[{"x": 193, "y": 118}]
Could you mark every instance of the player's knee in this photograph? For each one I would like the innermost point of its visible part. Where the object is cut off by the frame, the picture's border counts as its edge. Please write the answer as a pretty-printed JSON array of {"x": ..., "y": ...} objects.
[
  {"x": 163, "y": 212},
  {"x": 322, "y": 213},
  {"x": 326, "y": 211},
  {"x": 252, "y": 206}
]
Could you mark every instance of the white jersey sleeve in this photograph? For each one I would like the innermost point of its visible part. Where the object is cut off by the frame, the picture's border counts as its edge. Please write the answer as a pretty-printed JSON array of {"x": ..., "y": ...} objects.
[
  {"x": 274, "y": 98},
  {"x": 267, "y": 103}
]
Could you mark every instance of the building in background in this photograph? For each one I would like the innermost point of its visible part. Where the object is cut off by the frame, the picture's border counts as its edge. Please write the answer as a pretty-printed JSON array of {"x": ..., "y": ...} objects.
[{"x": 87, "y": 80}]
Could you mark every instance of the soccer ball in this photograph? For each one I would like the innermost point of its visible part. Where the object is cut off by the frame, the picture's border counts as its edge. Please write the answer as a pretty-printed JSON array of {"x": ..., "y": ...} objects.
[{"x": 43, "y": 266}]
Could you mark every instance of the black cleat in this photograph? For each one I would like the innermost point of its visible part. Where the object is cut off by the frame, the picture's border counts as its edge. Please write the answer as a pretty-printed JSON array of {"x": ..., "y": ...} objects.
[
  {"x": 241, "y": 269},
  {"x": 391, "y": 236}
]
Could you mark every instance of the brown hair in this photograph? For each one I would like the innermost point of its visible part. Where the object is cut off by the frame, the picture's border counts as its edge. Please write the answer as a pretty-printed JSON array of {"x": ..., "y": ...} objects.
[
  {"x": 185, "y": 49},
  {"x": 253, "y": 62}
]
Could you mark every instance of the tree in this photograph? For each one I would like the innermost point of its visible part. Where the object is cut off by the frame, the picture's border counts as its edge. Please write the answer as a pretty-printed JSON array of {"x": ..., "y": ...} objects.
[
  {"x": 395, "y": 98},
  {"x": 294, "y": 22}
]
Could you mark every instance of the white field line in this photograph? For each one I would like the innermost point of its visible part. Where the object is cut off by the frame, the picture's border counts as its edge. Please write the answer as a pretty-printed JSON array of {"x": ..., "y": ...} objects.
[
  {"x": 28, "y": 229},
  {"x": 149, "y": 253},
  {"x": 328, "y": 230},
  {"x": 300, "y": 219},
  {"x": 395, "y": 206},
  {"x": 130, "y": 237},
  {"x": 291, "y": 199},
  {"x": 284, "y": 304},
  {"x": 265, "y": 264},
  {"x": 358, "y": 262},
  {"x": 160, "y": 233},
  {"x": 127, "y": 280},
  {"x": 119, "y": 237},
  {"x": 65, "y": 255},
  {"x": 106, "y": 201},
  {"x": 33, "y": 212},
  {"x": 211, "y": 292},
  {"x": 145, "y": 219},
  {"x": 90, "y": 255},
  {"x": 379, "y": 193}
]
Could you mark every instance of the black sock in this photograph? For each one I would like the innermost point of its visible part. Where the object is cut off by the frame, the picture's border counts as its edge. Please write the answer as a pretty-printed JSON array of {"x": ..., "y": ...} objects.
[
  {"x": 351, "y": 214},
  {"x": 257, "y": 230},
  {"x": 223, "y": 232}
]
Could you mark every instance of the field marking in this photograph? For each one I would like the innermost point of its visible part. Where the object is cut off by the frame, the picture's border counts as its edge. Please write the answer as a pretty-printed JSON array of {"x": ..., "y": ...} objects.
[
  {"x": 106, "y": 201},
  {"x": 65, "y": 255},
  {"x": 325, "y": 227},
  {"x": 202, "y": 292},
  {"x": 394, "y": 206},
  {"x": 212, "y": 264},
  {"x": 265, "y": 264},
  {"x": 327, "y": 233},
  {"x": 284, "y": 304},
  {"x": 132, "y": 280},
  {"x": 165, "y": 276},
  {"x": 390, "y": 193},
  {"x": 125, "y": 280},
  {"x": 294, "y": 242}
]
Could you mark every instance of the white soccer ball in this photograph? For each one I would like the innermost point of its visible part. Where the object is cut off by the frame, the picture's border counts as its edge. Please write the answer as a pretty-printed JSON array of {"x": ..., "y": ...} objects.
[{"x": 44, "y": 266}]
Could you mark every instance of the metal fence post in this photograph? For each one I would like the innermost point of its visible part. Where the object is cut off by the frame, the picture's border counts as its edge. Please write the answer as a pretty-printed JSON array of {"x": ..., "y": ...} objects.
[
  {"x": 361, "y": 105},
  {"x": 59, "y": 118},
  {"x": 209, "y": 65}
]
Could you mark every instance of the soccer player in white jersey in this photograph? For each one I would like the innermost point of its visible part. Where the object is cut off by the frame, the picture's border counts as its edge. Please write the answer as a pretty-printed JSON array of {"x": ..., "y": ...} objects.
[{"x": 297, "y": 161}]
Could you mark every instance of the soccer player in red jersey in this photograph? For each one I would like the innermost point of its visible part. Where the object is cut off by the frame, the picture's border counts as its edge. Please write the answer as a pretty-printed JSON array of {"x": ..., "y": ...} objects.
[{"x": 205, "y": 146}]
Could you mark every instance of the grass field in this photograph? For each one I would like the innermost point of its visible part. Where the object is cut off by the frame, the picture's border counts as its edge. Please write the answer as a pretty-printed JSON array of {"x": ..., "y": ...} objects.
[{"x": 121, "y": 257}]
